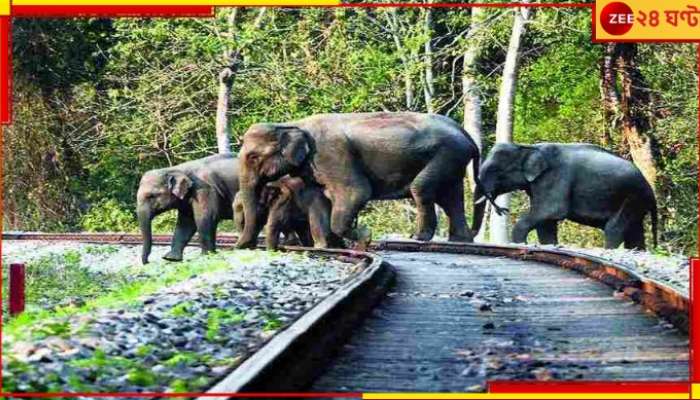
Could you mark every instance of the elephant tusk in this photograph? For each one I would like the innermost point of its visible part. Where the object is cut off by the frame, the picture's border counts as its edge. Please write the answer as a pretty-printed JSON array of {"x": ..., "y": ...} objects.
[{"x": 480, "y": 200}]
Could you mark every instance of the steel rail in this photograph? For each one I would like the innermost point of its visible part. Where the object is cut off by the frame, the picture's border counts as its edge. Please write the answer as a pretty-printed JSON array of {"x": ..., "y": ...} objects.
[
  {"x": 657, "y": 296},
  {"x": 292, "y": 359}
]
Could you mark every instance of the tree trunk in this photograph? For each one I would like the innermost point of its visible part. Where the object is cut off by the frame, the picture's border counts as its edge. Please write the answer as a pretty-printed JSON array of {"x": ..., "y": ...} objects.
[
  {"x": 226, "y": 78},
  {"x": 504, "y": 121},
  {"x": 609, "y": 94},
  {"x": 429, "y": 84},
  {"x": 634, "y": 103},
  {"x": 223, "y": 130},
  {"x": 232, "y": 60},
  {"x": 470, "y": 94},
  {"x": 392, "y": 20}
]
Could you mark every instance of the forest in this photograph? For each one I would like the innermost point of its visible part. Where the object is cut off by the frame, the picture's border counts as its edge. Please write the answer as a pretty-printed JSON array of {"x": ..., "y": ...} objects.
[{"x": 97, "y": 102}]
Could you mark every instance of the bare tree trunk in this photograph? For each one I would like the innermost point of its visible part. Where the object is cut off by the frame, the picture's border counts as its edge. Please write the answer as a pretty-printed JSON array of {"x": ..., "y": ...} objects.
[
  {"x": 223, "y": 130},
  {"x": 232, "y": 60},
  {"x": 634, "y": 102},
  {"x": 392, "y": 20},
  {"x": 470, "y": 94},
  {"x": 429, "y": 84},
  {"x": 609, "y": 94},
  {"x": 504, "y": 122}
]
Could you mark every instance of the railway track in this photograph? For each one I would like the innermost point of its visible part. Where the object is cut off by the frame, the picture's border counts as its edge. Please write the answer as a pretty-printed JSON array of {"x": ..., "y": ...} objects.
[{"x": 460, "y": 315}]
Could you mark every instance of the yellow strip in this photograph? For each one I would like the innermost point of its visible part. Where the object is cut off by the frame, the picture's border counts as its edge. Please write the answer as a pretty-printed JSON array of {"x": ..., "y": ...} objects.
[
  {"x": 525, "y": 396},
  {"x": 173, "y": 2},
  {"x": 695, "y": 391},
  {"x": 4, "y": 7}
]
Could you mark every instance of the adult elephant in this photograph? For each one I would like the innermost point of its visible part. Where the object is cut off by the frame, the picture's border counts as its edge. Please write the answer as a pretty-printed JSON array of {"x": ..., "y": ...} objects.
[
  {"x": 580, "y": 182},
  {"x": 361, "y": 157},
  {"x": 201, "y": 190}
]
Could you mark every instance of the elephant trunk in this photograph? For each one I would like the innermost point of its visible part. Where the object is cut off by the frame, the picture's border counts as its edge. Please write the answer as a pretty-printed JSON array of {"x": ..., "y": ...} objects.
[
  {"x": 248, "y": 238},
  {"x": 479, "y": 194},
  {"x": 478, "y": 211},
  {"x": 145, "y": 217}
]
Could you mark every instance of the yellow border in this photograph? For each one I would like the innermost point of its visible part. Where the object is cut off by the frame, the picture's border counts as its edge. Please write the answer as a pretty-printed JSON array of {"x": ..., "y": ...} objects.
[
  {"x": 695, "y": 391},
  {"x": 525, "y": 396},
  {"x": 174, "y": 2},
  {"x": 4, "y": 7}
]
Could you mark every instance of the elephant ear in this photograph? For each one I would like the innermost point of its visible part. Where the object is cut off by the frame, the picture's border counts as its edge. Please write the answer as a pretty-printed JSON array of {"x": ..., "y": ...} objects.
[
  {"x": 294, "y": 144},
  {"x": 534, "y": 165},
  {"x": 179, "y": 184}
]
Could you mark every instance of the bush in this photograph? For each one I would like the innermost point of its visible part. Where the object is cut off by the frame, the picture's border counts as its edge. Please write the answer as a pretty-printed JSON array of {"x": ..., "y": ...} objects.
[{"x": 109, "y": 216}]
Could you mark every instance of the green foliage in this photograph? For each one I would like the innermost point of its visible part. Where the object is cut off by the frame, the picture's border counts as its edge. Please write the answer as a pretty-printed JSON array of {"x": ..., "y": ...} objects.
[
  {"x": 218, "y": 317},
  {"x": 181, "y": 310},
  {"x": 272, "y": 321},
  {"x": 125, "y": 289},
  {"x": 61, "y": 279},
  {"x": 98, "y": 102},
  {"x": 108, "y": 216}
]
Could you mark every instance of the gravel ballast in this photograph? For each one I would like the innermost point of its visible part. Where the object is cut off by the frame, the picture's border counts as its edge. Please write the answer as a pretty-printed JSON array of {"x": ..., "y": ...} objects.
[
  {"x": 181, "y": 338},
  {"x": 672, "y": 270}
]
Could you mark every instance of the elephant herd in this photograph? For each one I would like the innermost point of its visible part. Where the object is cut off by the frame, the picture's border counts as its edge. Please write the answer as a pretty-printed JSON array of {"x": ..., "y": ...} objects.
[{"x": 308, "y": 180}]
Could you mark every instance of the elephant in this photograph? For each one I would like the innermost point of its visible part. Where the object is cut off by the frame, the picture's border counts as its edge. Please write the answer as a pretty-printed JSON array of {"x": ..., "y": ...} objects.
[
  {"x": 301, "y": 207},
  {"x": 292, "y": 222},
  {"x": 358, "y": 157},
  {"x": 582, "y": 182},
  {"x": 201, "y": 190}
]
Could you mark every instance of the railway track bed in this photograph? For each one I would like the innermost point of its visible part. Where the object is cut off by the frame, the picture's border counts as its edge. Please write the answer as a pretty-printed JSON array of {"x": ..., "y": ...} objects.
[
  {"x": 190, "y": 334},
  {"x": 454, "y": 322},
  {"x": 461, "y": 315}
]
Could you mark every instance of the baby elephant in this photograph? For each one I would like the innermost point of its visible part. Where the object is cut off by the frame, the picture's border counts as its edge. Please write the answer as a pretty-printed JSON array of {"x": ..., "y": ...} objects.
[
  {"x": 294, "y": 204},
  {"x": 296, "y": 209},
  {"x": 296, "y": 231},
  {"x": 580, "y": 182}
]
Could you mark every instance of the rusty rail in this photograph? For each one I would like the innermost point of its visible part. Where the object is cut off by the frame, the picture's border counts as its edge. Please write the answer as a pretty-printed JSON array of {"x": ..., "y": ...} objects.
[{"x": 658, "y": 297}]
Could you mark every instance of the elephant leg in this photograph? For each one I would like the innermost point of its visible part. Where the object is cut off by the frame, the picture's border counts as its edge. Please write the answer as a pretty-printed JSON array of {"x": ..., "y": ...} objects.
[
  {"x": 634, "y": 236},
  {"x": 423, "y": 190},
  {"x": 303, "y": 232},
  {"x": 206, "y": 226},
  {"x": 451, "y": 200},
  {"x": 617, "y": 226},
  {"x": 207, "y": 235},
  {"x": 522, "y": 228},
  {"x": 319, "y": 225},
  {"x": 184, "y": 230},
  {"x": 347, "y": 203},
  {"x": 272, "y": 234},
  {"x": 547, "y": 232}
]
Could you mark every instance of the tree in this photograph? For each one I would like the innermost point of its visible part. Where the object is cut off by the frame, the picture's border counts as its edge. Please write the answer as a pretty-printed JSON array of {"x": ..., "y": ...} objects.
[
  {"x": 428, "y": 76},
  {"x": 504, "y": 118},
  {"x": 470, "y": 91},
  {"x": 609, "y": 94},
  {"x": 634, "y": 105},
  {"x": 232, "y": 58}
]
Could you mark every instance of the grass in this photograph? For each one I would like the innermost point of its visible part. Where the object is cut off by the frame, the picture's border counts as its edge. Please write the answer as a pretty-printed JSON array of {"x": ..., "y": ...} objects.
[
  {"x": 218, "y": 317},
  {"x": 124, "y": 293},
  {"x": 65, "y": 321},
  {"x": 61, "y": 279},
  {"x": 181, "y": 310},
  {"x": 272, "y": 321}
]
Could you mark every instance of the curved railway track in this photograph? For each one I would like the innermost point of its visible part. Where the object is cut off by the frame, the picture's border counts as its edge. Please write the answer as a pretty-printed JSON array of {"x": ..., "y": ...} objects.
[{"x": 460, "y": 315}]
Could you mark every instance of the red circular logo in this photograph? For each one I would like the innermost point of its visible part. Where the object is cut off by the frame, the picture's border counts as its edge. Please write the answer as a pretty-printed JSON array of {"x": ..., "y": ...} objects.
[{"x": 617, "y": 18}]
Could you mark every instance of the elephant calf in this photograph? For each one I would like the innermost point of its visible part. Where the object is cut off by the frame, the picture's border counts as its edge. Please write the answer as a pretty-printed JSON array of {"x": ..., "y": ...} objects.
[
  {"x": 201, "y": 190},
  {"x": 580, "y": 182},
  {"x": 293, "y": 207}
]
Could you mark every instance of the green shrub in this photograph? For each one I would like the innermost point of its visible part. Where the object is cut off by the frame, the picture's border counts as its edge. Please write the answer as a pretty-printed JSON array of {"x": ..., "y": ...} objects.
[{"x": 109, "y": 216}]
